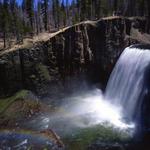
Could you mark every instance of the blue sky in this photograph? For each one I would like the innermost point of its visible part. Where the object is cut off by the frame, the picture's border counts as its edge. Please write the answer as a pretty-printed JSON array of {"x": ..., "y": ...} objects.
[{"x": 20, "y": 1}]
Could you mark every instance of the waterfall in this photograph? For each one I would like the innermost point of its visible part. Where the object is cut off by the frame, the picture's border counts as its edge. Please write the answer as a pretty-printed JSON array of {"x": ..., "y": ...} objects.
[
  {"x": 126, "y": 85},
  {"x": 126, "y": 89}
]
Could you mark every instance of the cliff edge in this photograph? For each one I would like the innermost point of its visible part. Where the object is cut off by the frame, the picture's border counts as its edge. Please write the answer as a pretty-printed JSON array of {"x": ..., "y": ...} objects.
[{"x": 86, "y": 51}]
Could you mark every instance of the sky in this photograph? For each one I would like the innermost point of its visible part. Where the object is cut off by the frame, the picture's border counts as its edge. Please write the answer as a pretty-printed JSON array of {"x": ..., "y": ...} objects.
[{"x": 20, "y": 1}]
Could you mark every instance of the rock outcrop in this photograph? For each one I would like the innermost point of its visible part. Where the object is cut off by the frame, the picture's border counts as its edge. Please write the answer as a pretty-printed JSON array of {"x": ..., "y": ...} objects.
[{"x": 88, "y": 49}]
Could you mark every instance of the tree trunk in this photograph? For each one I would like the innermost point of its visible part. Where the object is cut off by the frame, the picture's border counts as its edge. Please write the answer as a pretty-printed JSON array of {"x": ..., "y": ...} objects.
[{"x": 4, "y": 39}]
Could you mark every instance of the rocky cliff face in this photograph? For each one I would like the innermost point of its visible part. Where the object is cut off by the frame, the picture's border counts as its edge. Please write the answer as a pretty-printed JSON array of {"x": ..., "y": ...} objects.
[{"x": 89, "y": 50}]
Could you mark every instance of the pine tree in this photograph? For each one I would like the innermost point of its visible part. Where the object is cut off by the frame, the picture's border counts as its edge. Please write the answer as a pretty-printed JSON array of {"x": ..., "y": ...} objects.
[
  {"x": 79, "y": 9},
  {"x": 45, "y": 13},
  {"x": 89, "y": 9},
  {"x": 56, "y": 13},
  {"x": 67, "y": 12},
  {"x": 97, "y": 9},
  {"x": 16, "y": 21},
  {"x": 83, "y": 4},
  {"x": 29, "y": 7},
  {"x": 5, "y": 21},
  {"x": 148, "y": 16},
  {"x": 141, "y": 7},
  {"x": 1, "y": 12},
  {"x": 115, "y": 5},
  {"x": 63, "y": 13},
  {"x": 39, "y": 17}
]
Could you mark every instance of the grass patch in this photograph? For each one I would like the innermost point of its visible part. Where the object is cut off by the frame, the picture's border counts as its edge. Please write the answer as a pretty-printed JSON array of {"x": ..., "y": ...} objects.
[
  {"x": 104, "y": 133},
  {"x": 18, "y": 107},
  {"x": 7, "y": 102},
  {"x": 44, "y": 71}
]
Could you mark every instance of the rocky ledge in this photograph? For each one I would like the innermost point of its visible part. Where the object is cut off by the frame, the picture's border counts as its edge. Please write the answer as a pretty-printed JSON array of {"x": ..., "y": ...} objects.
[{"x": 85, "y": 51}]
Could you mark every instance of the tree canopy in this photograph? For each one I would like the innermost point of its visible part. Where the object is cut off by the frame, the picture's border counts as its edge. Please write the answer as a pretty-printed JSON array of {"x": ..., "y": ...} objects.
[{"x": 28, "y": 18}]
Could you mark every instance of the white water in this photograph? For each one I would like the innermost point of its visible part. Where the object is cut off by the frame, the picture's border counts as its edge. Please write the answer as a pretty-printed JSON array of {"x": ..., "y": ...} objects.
[
  {"x": 126, "y": 86},
  {"x": 124, "y": 92},
  {"x": 122, "y": 98},
  {"x": 94, "y": 109},
  {"x": 85, "y": 110}
]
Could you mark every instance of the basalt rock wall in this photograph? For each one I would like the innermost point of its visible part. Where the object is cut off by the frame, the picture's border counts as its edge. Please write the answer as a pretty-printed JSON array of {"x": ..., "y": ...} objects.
[{"x": 86, "y": 51}]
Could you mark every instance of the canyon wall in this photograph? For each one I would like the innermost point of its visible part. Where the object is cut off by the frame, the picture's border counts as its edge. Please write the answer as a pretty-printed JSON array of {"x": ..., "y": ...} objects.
[{"x": 86, "y": 51}]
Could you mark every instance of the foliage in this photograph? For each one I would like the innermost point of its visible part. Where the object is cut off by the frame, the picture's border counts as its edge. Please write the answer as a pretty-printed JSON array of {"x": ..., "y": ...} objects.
[
  {"x": 17, "y": 107},
  {"x": 7, "y": 102},
  {"x": 103, "y": 133},
  {"x": 43, "y": 70},
  {"x": 49, "y": 15}
]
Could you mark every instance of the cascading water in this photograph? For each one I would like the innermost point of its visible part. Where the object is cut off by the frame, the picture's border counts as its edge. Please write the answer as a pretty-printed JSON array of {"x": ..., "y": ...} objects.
[
  {"x": 122, "y": 99},
  {"x": 126, "y": 85}
]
